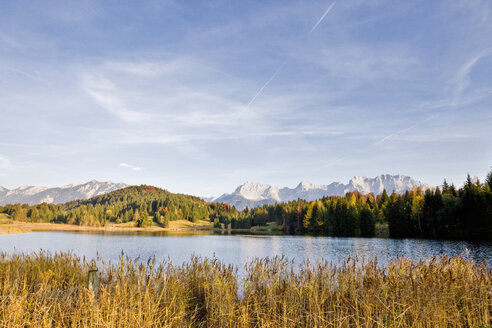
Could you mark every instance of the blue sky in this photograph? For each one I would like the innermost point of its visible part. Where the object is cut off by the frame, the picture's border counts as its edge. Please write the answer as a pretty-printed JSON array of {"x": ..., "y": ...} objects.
[{"x": 201, "y": 96}]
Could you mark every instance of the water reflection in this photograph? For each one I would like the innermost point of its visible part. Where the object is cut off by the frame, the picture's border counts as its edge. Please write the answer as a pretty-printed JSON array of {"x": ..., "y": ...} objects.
[{"x": 236, "y": 249}]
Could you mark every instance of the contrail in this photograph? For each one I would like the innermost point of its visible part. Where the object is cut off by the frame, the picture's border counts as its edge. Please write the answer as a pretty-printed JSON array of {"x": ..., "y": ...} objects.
[
  {"x": 264, "y": 86},
  {"x": 402, "y": 131},
  {"x": 285, "y": 61},
  {"x": 322, "y": 17}
]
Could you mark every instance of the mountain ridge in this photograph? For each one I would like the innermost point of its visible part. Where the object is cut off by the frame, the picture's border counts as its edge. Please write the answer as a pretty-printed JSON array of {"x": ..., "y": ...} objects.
[
  {"x": 253, "y": 194},
  {"x": 33, "y": 195},
  {"x": 249, "y": 194}
]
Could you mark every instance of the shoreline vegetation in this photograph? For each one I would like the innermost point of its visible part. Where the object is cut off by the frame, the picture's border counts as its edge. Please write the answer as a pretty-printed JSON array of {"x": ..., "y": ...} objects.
[
  {"x": 439, "y": 213},
  {"x": 175, "y": 226},
  {"x": 60, "y": 290},
  {"x": 9, "y": 226}
]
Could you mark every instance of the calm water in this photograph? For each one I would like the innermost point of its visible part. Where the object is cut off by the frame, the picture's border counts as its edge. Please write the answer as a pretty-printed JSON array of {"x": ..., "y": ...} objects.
[{"x": 236, "y": 249}]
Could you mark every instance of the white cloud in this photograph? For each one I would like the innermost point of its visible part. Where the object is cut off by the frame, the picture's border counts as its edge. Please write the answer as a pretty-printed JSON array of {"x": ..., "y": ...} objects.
[
  {"x": 179, "y": 95},
  {"x": 134, "y": 168},
  {"x": 106, "y": 95},
  {"x": 459, "y": 92},
  {"x": 186, "y": 101},
  {"x": 364, "y": 62},
  {"x": 148, "y": 67},
  {"x": 5, "y": 162},
  {"x": 462, "y": 78}
]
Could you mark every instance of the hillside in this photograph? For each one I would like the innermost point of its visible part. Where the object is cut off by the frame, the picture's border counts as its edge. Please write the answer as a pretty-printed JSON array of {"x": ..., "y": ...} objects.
[{"x": 139, "y": 205}]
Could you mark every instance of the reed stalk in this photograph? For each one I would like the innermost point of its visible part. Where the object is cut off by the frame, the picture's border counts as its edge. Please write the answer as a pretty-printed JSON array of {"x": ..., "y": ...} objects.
[{"x": 50, "y": 290}]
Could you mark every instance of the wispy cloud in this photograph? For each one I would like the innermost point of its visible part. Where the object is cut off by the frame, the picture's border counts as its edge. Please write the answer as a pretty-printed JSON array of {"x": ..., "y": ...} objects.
[
  {"x": 196, "y": 97},
  {"x": 181, "y": 103},
  {"x": 359, "y": 61},
  {"x": 134, "y": 168},
  {"x": 460, "y": 93},
  {"x": 5, "y": 162},
  {"x": 462, "y": 79},
  {"x": 106, "y": 95}
]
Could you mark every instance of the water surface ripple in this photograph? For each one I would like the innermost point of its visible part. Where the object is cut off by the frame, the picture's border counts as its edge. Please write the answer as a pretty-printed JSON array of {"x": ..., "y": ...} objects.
[{"x": 237, "y": 249}]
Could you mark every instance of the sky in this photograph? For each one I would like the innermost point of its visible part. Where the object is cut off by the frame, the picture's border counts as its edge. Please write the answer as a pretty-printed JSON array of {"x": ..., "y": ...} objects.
[{"x": 198, "y": 97}]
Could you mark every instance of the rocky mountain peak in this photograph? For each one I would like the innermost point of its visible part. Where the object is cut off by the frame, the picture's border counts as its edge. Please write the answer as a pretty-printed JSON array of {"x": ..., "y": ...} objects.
[
  {"x": 35, "y": 195},
  {"x": 256, "y": 191},
  {"x": 253, "y": 194}
]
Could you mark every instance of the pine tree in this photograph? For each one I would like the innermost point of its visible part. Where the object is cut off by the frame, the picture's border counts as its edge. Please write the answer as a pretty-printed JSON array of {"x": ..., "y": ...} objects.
[{"x": 488, "y": 180}]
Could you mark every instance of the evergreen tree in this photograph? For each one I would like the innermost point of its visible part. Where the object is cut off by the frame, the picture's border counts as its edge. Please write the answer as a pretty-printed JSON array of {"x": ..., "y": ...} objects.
[{"x": 367, "y": 222}]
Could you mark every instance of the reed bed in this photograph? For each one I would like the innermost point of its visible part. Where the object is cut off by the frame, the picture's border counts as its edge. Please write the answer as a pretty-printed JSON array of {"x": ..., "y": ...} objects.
[{"x": 50, "y": 290}]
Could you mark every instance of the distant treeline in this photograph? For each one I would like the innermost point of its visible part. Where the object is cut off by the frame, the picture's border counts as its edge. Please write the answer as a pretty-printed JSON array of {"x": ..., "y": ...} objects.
[{"x": 446, "y": 212}]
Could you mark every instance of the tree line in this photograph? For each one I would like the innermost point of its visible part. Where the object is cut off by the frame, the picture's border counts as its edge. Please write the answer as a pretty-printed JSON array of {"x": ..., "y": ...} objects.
[{"x": 443, "y": 212}]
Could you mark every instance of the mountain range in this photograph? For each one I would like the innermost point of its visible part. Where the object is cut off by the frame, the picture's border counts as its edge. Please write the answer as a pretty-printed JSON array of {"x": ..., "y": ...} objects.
[
  {"x": 249, "y": 194},
  {"x": 35, "y": 195},
  {"x": 253, "y": 194}
]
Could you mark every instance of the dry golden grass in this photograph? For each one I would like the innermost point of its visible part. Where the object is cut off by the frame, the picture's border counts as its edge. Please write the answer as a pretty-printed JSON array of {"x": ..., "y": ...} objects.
[
  {"x": 7, "y": 226},
  {"x": 5, "y": 219},
  {"x": 10, "y": 226},
  {"x": 185, "y": 224},
  {"x": 44, "y": 290}
]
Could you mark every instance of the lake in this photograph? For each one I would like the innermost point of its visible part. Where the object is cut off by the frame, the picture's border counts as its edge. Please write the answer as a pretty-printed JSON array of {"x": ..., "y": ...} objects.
[{"x": 236, "y": 249}]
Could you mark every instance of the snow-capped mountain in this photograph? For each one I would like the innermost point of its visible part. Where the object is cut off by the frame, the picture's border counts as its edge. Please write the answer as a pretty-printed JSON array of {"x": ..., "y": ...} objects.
[
  {"x": 252, "y": 194},
  {"x": 3, "y": 191},
  {"x": 36, "y": 195}
]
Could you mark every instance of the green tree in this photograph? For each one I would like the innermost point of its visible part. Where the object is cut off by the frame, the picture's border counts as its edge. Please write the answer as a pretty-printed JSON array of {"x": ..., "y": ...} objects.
[{"x": 367, "y": 222}]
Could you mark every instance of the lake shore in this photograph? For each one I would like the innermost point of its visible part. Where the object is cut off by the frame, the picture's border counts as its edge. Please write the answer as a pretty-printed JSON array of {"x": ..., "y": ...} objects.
[
  {"x": 25, "y": 227},
  {"x": 8, "y": 226}
]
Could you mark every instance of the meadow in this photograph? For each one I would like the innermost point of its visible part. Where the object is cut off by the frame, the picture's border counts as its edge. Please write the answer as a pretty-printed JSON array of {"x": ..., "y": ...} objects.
[
  {"x": 9, "y": 226},
  {"x": 51, "y": 290}
]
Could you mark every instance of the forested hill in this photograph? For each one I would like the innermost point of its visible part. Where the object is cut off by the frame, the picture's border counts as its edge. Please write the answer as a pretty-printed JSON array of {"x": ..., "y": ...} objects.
[
  {"x": 143, "y": 205},
  {"x": 139, "y": 204},
  {"x": 138, "y": 196}
]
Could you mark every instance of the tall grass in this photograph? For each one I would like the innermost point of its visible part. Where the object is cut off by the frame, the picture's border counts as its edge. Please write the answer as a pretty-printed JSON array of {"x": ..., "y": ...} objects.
[{"x": 46, "y": 290}]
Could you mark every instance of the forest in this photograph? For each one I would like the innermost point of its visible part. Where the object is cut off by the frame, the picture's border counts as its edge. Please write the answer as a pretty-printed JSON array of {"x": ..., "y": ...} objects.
[{"x": 445, "y": 212}]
